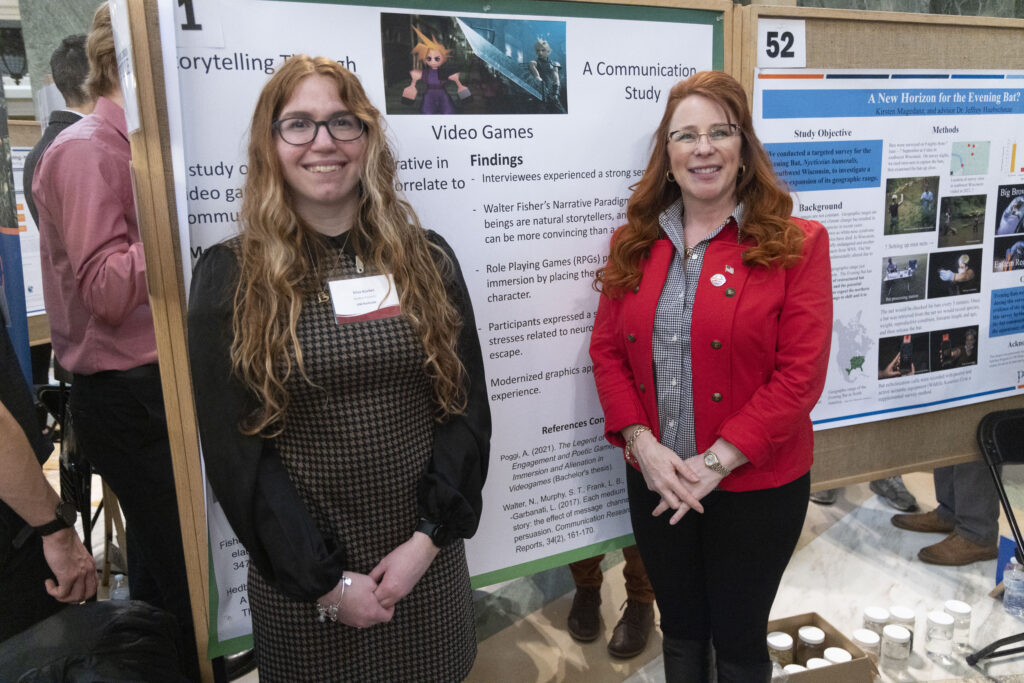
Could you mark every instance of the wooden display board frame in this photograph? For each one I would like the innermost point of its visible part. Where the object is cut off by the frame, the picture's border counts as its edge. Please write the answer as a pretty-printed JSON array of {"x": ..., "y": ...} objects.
[
  {"x": 156, "y": 208},
  {"x": 852, "y": 39},
  {"x": 157, "y": 212}
]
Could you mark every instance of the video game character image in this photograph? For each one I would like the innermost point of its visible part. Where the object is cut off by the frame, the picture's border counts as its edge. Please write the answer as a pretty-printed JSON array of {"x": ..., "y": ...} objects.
[
  {"x": 546, "y": 73},
  {"x": 432, "y": 56}
]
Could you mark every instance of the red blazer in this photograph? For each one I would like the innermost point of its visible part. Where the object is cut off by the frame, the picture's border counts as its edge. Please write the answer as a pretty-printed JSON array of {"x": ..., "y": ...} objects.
[{"x": 759, "y": 343}]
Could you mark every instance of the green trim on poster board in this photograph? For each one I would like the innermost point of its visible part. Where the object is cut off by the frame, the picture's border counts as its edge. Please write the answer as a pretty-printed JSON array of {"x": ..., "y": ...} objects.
[
  {"x": 231, "y": 647},
  {"x": 214, "y": 646},
  {"x": 585, "y": 10},
  {"x": 534, "y": 566}
]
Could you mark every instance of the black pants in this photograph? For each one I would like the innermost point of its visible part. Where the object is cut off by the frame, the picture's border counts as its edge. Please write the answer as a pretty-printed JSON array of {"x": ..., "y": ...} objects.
[
  {"x": 715, "y": 575},
  {"x": 121, "y": 427}
]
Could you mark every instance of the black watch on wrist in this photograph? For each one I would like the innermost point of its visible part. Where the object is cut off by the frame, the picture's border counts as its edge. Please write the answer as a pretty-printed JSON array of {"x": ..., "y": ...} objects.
[
  {"x": 431, "y": 529},
  {"x": 66, "y": 514}
]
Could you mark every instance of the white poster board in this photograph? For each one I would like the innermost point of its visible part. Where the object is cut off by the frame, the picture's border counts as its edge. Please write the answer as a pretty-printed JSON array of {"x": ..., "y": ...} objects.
[
  {"x": 526, "y": 187},
  {"x": 919, "y": 178},
  {"x": 31, "y": 268}
]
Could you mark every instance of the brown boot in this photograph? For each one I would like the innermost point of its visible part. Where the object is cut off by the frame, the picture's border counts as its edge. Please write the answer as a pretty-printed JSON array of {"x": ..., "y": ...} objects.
[
  {"x": 927, "y": 522},
  {"x": 957, "y": 551},
  {"x": 585, "y": 614},
  {"x": 630, "y": 635}
]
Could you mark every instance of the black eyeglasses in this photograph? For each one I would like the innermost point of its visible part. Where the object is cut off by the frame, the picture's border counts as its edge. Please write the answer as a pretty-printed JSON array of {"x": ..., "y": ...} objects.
[{"x": 300, "y": 130}]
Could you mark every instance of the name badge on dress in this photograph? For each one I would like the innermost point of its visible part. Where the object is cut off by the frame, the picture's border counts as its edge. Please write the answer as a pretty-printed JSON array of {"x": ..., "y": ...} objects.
[{"x": 364, "y": 298}]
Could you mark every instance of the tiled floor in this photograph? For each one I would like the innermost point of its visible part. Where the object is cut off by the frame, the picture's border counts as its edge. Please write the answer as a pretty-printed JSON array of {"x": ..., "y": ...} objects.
[{"x": 849, "y": 556}]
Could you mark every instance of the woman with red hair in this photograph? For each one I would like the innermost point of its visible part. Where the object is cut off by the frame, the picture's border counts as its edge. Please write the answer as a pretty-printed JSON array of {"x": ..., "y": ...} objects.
[{"x": 710, "y": 349}]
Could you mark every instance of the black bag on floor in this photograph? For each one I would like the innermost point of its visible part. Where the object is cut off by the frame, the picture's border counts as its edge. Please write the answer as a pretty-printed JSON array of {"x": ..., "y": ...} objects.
[{"x": 111, "y": 641}]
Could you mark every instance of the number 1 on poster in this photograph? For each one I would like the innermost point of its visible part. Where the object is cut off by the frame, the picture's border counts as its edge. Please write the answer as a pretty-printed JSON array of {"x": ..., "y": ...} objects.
[{"x": 190, "y": 17}]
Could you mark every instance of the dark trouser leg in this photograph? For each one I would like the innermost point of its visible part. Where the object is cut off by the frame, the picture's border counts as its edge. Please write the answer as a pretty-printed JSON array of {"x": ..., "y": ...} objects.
[
  {"x": 975, "y": 502},
  {"x": 743, "y": 672},
  {"x": 122, "y": 430},
  {"x": 944, "y": 493},
  {"x": 686, "y": 661},
  {"x": 716, "y": 575},
  {"x": 587, "y": 573},
  {"x": 638, "y": 586}
]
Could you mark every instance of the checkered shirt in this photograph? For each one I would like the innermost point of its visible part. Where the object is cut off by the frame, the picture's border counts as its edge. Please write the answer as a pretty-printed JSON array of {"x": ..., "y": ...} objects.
[{"x": 673, "y": 365}]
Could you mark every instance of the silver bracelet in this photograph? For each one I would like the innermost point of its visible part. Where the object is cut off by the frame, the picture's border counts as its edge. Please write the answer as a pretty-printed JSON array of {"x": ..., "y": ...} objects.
[{"x": 331, "y": 611}]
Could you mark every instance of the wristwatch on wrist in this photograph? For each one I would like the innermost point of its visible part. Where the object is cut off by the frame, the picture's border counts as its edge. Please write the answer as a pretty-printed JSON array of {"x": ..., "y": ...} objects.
[
  {"x": 431, "y": 529},
  {"x": 66, "y": 514},
  {"x": 711, "y": 461}
]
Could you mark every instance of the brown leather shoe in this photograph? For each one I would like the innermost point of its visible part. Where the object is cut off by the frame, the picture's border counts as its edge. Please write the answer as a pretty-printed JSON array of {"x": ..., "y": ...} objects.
[
  {"x": 585, "y": 614},
  {"x": 927, "y": 522},
  {"x": 630, "y": 635},
  {"x": 956, "y": 551}
]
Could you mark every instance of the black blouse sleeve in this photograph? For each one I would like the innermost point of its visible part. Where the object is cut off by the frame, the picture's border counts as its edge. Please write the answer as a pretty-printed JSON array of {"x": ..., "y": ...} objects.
[
  {"x": 450, "y": 490},
  {"x": 246, "y": 472}
]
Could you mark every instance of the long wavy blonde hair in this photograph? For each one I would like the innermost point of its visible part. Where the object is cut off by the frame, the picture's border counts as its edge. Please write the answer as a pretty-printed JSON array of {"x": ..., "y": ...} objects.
[{"x": 277, "y": 247}]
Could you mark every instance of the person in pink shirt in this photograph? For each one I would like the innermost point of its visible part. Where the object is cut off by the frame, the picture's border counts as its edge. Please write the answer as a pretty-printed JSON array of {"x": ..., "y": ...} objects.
[{"x": 94, "y": 285}]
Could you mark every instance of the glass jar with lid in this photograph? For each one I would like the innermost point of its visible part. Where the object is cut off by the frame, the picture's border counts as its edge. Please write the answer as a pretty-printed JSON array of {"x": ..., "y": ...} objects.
[
  {"x": 780, "y": 647},
  {"x": 810, "y": 643},
  {"x": 868, "y": 641},
  {"x": 837, "y": 655},
  {"x": 905, "y": 617},
  {"x": 875, "y": 618},
  {"x": 895, "y": 649},
  {"x": 961, "y": 613},
  {"x": 938, "y": 637}
]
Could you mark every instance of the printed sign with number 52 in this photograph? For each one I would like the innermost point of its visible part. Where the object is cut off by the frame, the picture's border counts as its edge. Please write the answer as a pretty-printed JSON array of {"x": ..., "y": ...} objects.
[{"x": 781, "y": 43}]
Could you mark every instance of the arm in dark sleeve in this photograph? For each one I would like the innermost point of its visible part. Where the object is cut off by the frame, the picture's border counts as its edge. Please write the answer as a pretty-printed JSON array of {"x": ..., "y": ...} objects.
[
  {"x": 246, "y": 472},
  {"x": 450, "y": 490}
]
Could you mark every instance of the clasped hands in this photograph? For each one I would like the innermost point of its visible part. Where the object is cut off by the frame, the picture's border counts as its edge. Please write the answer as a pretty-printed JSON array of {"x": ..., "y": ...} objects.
[
  {"x": 371, "y": 598},
  {"x": 680, "y": 483}
]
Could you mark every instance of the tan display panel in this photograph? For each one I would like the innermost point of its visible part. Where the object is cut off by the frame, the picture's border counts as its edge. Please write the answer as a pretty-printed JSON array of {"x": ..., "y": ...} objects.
[
  {"x": 890, "y": 40},
  {"x": 854, "y": 39}
]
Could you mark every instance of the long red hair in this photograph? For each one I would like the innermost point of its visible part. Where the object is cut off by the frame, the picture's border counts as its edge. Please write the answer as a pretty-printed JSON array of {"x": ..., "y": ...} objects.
[{"x": 767, "y": 205}]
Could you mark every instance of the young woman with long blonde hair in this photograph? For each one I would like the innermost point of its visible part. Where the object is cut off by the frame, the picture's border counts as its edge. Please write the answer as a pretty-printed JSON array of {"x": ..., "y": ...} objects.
[{"x": 341, "y": 397}]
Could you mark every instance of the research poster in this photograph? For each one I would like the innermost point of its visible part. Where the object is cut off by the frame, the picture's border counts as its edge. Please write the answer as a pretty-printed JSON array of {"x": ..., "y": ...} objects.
[
  {"x": 919, "y": 178},
  {"x": 519, "y": 149},
  {"x": 31, "y": 269}
]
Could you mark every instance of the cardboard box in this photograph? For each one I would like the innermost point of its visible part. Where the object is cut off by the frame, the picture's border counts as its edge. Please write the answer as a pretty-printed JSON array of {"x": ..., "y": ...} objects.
[{"x": 859, "y": 670}]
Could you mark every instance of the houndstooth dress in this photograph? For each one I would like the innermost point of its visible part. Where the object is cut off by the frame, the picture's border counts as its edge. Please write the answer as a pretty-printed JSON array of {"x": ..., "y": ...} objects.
[{"x": 356, "y": 445}]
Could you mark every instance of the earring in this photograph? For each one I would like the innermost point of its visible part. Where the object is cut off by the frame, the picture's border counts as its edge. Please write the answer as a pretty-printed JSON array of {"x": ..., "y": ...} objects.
[
  {"x": 669, "y": 177},
  {"x": 743, "y": 169}
]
